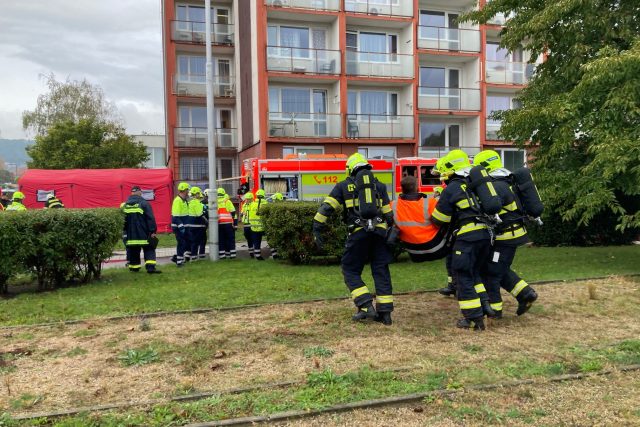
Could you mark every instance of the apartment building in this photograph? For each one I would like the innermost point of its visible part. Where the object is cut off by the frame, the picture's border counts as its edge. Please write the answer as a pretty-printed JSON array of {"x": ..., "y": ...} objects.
[{"x": 388, "y": 78}]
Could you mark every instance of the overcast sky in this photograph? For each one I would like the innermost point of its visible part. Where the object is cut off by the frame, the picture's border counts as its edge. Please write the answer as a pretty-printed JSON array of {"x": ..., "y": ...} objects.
[{"x": 116, "y": 44}]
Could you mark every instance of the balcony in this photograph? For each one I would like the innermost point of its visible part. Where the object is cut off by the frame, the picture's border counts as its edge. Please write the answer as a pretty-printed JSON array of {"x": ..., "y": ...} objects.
[
  {"x": 195, "y": 85},
  {"x": 449, "y": 39},
  {"x": 443, "y": 98},
  {"x": 437, "y": 152},
  {"x": 371, "y": 126},
  {"x": 509, "y": 73},
  {"x": 303, "y": 60},
  {"x": 195, "y": 137},
  {"x": 304, "y": 125},
  {"x": 194, "y": 32},
  {"x": 401, "y": 8},
  {"x": 491, "y": 130},
  {"x": 373, "y": 64},
  {"x": 329, "y": 5}
]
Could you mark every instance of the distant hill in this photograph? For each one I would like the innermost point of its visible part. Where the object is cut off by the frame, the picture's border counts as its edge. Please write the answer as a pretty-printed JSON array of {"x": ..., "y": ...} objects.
[{"x": 13, "y": 151}]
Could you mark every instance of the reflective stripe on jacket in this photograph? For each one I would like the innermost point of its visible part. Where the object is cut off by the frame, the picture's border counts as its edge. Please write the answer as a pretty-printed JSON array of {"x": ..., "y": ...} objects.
[
  {"x": 413, "y": 219},
  {"x": 226, "y": 211}
]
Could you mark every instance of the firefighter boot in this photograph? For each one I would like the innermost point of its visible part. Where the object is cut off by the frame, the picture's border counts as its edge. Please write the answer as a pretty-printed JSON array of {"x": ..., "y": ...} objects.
[
  {"x": 475, "y": 324},
  {"x": 365, "y": 312},
  {"x": 384, "y": 317},
  {"x": 449, "y": 290},
  {"x": 526, "y": 301}
]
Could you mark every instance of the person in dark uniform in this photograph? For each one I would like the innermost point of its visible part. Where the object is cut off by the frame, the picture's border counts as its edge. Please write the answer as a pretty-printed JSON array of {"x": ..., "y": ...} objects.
[
  {"x": 510, "y": 234},
  {"x": 53, "y": 202},
  {"x": 366, "y": 243},
  {"x": 140, "y": 232},
  {"x": 472, "y": 241}
]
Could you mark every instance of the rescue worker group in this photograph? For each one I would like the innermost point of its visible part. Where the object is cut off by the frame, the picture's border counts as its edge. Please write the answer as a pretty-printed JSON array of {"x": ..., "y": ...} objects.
[{"x": 475, "y": 219}]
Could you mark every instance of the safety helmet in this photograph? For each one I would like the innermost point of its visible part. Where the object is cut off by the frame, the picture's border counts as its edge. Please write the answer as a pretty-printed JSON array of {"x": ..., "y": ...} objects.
[
  {"x": 51, "y": 196},
  {"x": 221, "y": 192},
  {"x": 195, "y": 191},
  {"x": 18, "y": 195},
  {"x": 183, "y": 186},
  {"x": 454, "y": 161},
  {"x": 248, "y": 196},
  {"x": 260, "y": 193},
  {"x": 277, "y": 196},
  {"x": 356, "y": 161},
  {"x": 207, "y": 191},
  {"x": 489, "y": 159}
]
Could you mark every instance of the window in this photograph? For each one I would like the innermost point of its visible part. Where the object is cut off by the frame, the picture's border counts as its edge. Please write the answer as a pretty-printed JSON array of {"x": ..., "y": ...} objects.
[
  {"x": 499, "y": 103},
  {"x": 192, "y": 18},
  {"x": 372, "y": 47},
  {"x": 444, "y": 135},
  {"x": 194, "y": 168},
  {"x": 156, "y": 158},
  {"x": 191, "y": 68},
  {"x": 512, "y": 159},
  {"x": 297, "y": 102},
  {"x": 496, "y": 53},
  {"x": 374, "y": 105},
  {"x": 294, "y": 41},
  {"x": 301, "y": 150},
  {"x": 433, "y": 80},
  {"x": 427, "y": 178},
  {"x": 190, "y": 116},
  {"x": 438, "y": 25},
  {"x": 378, "y": 152}
]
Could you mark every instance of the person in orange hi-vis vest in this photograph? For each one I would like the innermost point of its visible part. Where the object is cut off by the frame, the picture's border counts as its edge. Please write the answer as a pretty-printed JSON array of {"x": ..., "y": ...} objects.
[{"x": 423, "y": 240}]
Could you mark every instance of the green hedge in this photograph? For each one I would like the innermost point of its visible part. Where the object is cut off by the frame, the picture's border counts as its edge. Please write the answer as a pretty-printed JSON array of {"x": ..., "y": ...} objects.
[
  {"x": 288, "y": 227},
  {"x": 57, "y": 245},
  {"x": 601, "y": 231}
]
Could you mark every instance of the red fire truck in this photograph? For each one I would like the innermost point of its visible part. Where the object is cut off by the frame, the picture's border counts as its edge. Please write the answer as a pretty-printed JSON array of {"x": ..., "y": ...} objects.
[{"x": 311, "y": 177}]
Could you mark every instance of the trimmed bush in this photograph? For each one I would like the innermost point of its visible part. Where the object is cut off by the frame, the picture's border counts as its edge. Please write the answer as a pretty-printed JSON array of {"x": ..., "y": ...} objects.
[
  {"x": 289, "y": 227},
  {"x": 57, "y": 245}
]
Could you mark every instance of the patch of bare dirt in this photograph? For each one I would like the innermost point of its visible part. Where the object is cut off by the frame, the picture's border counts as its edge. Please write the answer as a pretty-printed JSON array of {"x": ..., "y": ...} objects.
[{"x": 78, "y": 365}]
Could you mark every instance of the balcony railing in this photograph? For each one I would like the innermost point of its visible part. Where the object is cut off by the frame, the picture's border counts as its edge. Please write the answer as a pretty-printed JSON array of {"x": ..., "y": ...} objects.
[
  {"x": 194, "y": 32},
  {"x": 491, "y": 130},
  {"x": 380, "y": 126},
  {"x": 303, "y": 60},
  {"x": 373, "y": 64},
  {"x": 196, "y": 85},
  {"x": 196, "y": 137},
  {"x": 443, "y": 98},
  {"x": 452, "y": 39},
  {"x": 304, "y": 125},
  {"x": 437, "y": 152},
  {"x": 380, "y": 7},
  {"x": 509, "y": 73},
  {"x": 331, "y": 5}
]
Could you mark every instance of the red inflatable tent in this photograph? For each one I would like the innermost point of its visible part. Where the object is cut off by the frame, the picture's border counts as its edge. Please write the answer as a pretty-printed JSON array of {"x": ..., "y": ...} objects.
[{"x": 99, "y": 188}]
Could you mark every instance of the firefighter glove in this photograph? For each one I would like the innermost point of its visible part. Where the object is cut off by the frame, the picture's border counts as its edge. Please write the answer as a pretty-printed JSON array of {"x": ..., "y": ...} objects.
[{"x": 317, "y": 234}]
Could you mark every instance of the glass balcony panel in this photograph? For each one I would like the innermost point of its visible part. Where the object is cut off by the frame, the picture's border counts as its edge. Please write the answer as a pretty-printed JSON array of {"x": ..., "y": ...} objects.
[
  {"x": 492, "y": 127},
  {"x": 442, "y": 98},
  {"x": 374, "y": 64},
  {"x": 194, "y": 32},
  {"x": 194, "y": 137},
  {"x": 452, "y": 39},
  {"x": 380, "y": 126},
  {"x": 380, "y": 7},
  {"x": 299, "y": 60},
  {"x": 196, "y": 85},
  {"x": 331, "y": 5},
  {"x": 510, "y": 73},
  {"x": 304, "y": 125}
]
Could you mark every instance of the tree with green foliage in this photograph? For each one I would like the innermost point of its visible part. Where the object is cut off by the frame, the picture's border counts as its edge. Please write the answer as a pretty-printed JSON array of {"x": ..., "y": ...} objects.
[
  {"x": 580, "y": 113},
  {"x": 88, "y": 144},
  {"x": 69, "y": 100}
]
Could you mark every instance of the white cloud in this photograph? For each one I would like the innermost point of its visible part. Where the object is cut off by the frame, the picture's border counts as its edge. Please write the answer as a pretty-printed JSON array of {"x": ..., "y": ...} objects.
[{"x": 116, "y": 44}]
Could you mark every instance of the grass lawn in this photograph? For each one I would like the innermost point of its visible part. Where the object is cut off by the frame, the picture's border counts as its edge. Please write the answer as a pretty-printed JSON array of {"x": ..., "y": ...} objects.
[
  {"x": 332, "y": 360},
  {"x": 241, "y": 282}
]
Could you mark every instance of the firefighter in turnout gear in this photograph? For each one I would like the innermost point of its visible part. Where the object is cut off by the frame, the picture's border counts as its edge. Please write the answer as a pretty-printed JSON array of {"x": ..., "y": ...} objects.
[
  {"x": 510, "y": 234},
  {"x": 140, "y": 232},
  {"x": 17, "y": 202},
  {"x": 179, "y": 222},
  {"x": 246, "y": 225},
  {"x": 198, "y": 221},
  {"x": 472, "y": 240},
  {"x": 367, "y": 213},
  {"x": 257, "y": 228},
  {"x": 53, "y": 202},
  {"x": 227, "y": 223}
]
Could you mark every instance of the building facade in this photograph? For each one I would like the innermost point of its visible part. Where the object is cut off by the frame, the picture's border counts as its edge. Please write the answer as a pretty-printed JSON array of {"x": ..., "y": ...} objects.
[{"x": 388, "y": 78}]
